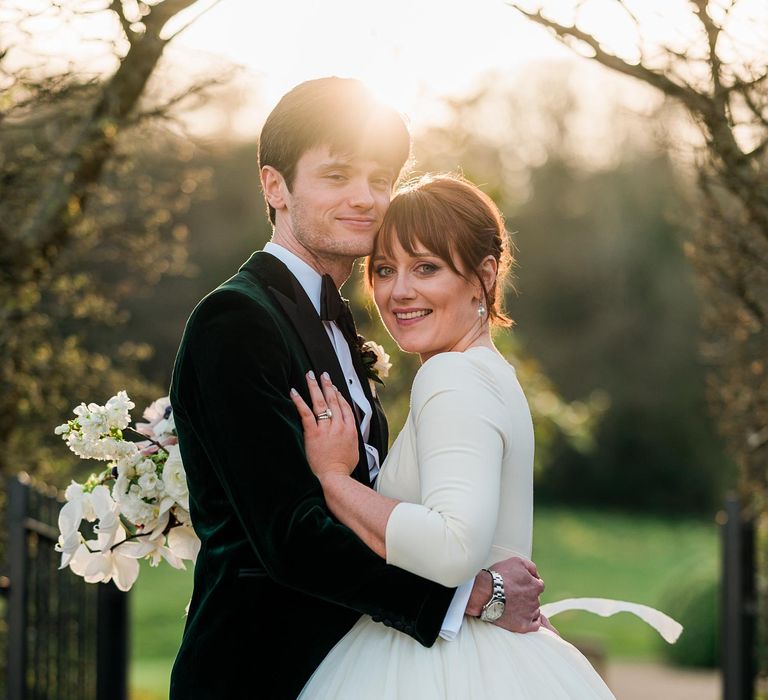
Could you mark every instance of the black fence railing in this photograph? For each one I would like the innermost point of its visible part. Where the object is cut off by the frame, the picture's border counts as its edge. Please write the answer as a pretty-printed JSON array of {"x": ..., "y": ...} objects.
[
  {"x": 65, "y": 638},
  {"x": 738, "y": 641}
]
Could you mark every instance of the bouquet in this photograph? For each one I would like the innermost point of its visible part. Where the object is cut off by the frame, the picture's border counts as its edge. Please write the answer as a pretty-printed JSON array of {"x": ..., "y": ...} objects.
[{"x": 139, "y": 504}]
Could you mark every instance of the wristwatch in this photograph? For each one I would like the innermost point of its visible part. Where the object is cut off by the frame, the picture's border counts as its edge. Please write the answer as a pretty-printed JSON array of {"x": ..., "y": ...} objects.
[{"x": 494, "y": 608}]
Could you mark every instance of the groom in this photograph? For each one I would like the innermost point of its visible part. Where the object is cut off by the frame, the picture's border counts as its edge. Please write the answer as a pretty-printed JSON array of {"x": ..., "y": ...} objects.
[{"x": 278, "y": 580}]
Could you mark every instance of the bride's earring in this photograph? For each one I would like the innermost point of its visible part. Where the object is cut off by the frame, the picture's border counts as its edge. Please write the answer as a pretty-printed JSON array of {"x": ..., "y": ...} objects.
[{"x": 481, "y": 310}]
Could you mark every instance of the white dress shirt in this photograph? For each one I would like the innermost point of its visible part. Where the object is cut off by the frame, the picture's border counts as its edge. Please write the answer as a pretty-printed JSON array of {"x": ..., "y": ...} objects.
[{"x": 311, "y": 282}]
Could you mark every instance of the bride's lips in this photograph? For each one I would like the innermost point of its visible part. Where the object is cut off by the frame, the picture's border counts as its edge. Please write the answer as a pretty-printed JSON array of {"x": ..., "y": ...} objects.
[{"x": 410, "y": 316}]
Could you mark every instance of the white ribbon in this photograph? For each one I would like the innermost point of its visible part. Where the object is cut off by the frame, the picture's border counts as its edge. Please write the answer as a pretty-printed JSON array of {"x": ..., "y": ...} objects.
[{"x": 668, "y": 628}]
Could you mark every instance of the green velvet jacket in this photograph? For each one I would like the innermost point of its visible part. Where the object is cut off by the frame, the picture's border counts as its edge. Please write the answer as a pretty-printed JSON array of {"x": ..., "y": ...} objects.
[{"x": 278, "y": 580}]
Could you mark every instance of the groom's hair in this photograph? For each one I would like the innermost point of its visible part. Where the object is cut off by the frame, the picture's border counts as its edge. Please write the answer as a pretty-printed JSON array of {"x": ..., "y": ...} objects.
[{"x": 340, "y": 113}]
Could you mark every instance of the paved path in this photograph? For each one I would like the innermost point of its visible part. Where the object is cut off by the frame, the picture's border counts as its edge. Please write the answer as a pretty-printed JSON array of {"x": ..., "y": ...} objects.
[{"x": 644, "y": 681}]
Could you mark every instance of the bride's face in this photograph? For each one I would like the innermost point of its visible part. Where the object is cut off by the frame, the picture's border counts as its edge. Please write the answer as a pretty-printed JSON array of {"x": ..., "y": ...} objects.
[{"x": 426, "y": 307}]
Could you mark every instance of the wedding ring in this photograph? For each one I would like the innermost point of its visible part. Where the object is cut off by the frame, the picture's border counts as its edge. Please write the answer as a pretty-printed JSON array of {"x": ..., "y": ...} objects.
[{"x": 327, "y": 414}]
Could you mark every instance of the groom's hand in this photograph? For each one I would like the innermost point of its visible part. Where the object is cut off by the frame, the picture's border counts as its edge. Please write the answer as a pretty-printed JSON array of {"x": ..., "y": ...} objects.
[{"x": 522, "y": 588}]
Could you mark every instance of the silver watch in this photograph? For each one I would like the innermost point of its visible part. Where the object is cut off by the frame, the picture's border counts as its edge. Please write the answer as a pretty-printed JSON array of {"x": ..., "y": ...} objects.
[{"x": 494, "y": 608}]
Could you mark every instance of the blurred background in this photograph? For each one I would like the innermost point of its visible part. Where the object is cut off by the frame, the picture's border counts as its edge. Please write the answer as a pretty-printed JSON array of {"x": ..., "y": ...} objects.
[{"x": 633, "y": 190}]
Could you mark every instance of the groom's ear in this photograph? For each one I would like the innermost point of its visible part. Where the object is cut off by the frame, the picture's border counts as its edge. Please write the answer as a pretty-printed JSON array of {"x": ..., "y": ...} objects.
[{"x": 273, "y": 184}]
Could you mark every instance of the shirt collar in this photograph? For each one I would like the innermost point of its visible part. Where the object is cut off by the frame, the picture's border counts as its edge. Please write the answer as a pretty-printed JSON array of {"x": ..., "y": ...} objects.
[{"x": 309, "y": 278}]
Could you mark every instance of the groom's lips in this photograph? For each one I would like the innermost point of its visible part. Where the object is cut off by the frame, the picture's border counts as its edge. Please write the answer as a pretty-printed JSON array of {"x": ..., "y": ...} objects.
[{"x": 359, "y": 222}]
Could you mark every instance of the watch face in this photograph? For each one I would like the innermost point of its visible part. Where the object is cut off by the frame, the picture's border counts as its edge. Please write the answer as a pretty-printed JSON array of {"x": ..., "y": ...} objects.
[{"x": 494, "y": 611}]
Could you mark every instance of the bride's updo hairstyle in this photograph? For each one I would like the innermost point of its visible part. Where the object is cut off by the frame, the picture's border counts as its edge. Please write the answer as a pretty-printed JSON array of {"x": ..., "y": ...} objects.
[{"x": 457, "y": 222}]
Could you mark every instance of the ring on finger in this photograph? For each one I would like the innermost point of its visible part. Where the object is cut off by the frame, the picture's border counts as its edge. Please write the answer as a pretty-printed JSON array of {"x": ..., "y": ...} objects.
[{"x": 327, "y": 414}]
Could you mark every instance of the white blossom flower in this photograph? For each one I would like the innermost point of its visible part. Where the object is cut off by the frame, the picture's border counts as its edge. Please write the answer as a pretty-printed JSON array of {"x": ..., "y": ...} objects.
[
  {"x": 120, "y": 487},
  {"x": 148, "y": 484},
  {"x": 138, "y": 511},
  {"x": 182, "y": 515},
  {"x": 117, "y": 410},
  {"x": 157, "y": 409},
  {"x": 140, "y": 498},
  {"x": 153, "y": 549},
  {"x": 112, "y": 565},
  {"x": 184, "y": 543},
  {"x": 145, "y": 466},
  {"x": 68, "y": 545},
  {"x": 175, "y": 477},
  {"x": 128, "y": 466}
]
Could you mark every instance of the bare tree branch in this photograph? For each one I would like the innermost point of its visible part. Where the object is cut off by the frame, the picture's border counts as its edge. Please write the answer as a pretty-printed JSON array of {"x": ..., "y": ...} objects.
[
  {"x": 194, "y": 19},
  {"x": 50, "y": 221},
  {"x": 712, "y": 32},
  {"x": 690, "y": 97},
  {"x": 117, "y": 7}
]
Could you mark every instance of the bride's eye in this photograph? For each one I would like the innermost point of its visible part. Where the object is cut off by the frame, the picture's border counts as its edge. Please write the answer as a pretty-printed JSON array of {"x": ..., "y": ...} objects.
[
  {"x": 383, "y": 271},
  {"x": 426, "y": 268}
]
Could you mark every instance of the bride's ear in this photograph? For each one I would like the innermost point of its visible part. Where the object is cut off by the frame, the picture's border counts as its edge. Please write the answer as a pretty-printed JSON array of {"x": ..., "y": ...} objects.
[
  {"x": 274, "y": 187},
  {"x": 487, "y": 272}
]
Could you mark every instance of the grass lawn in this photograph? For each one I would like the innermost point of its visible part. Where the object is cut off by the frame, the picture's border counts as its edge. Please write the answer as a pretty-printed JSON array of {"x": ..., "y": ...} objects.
[
  {"x": 639, "y": 559},
  {"x": 578, "y": 553}
]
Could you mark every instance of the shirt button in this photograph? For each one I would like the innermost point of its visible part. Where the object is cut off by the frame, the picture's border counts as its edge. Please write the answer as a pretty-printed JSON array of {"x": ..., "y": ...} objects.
[{"x": 350, "y": 381}]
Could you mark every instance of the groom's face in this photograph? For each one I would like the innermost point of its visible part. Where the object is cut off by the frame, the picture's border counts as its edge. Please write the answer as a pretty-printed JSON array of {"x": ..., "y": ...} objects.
[{"x": 337, "y": 203}]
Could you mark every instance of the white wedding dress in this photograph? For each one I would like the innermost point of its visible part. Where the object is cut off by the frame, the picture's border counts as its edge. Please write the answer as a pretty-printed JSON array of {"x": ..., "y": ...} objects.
[{"x": 463, "y": 468}]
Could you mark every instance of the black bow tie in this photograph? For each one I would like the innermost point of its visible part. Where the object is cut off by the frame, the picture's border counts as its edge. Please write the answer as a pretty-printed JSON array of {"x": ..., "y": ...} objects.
[
  {"x": 331, "y": 303},
  {"x": 334, "y": 308}
]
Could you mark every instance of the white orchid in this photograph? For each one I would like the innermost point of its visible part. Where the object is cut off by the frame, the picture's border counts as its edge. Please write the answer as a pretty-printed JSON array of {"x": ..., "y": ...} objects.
[
  {"x": 175, "y": 478},
  {"x": 184, "y": 542},
  {"x": 109, "y": 565},
  {"x": 69, "y": 545},
  {"x": 145, "y": 515}
]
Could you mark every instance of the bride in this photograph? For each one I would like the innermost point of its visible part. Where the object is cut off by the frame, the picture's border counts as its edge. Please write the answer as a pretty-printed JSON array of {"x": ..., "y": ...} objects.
[{"x": 456, "y": 490}]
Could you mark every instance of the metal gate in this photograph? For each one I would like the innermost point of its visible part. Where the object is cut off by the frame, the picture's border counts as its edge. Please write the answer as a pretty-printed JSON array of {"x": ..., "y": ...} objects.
[{"x": 65, "y": 638}]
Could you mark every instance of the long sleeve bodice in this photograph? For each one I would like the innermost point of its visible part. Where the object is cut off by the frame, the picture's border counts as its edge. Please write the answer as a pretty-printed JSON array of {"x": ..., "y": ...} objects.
[{"x": 463, "y": 467}]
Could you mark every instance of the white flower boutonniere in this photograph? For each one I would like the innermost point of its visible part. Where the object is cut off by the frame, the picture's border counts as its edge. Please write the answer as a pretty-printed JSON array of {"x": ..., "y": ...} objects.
[{"x": 376, "y": 361}]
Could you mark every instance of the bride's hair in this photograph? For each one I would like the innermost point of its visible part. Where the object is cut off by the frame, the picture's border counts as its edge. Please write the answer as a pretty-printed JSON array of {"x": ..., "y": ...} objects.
[{"x": 455, "y": 220}]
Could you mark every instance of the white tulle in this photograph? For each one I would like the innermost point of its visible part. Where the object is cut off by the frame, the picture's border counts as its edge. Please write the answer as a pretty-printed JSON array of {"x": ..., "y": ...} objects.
[
  {"x": 668, "y": 628},
  {"x": 484, "y": 662}
]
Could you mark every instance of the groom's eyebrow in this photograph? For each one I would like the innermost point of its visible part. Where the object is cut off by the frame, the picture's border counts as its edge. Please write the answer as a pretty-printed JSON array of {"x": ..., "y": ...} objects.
[{"x": 335, "y": 164}]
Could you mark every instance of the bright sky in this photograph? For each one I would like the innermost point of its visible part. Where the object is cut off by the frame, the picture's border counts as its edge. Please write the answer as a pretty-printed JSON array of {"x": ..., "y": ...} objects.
[
  {"x": 401, "y": 48},
  {"x": 408, "y": 51}
]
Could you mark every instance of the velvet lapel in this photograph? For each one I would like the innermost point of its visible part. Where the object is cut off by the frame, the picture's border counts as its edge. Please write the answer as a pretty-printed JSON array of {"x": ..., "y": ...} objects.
[
  {"x": 379, "y": 436},
  {"x": 296, "y": 305}
]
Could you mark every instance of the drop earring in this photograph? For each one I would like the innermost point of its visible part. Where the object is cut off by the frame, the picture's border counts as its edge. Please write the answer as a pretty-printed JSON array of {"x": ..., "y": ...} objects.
[{"x": 481, "y": 310}]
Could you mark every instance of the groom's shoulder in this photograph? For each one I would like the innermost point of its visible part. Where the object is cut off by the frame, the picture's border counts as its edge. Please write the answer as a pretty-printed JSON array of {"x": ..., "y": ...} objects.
[{"x": 241, "y": 296}]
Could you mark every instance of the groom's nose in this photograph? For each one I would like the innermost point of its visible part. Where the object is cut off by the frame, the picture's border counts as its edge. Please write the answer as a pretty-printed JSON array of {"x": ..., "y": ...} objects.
[{"x": 361, "y": 196}]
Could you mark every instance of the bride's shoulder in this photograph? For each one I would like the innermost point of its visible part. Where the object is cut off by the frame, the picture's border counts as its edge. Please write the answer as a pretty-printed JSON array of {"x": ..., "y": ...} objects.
[{"x": 473, "y": 370}]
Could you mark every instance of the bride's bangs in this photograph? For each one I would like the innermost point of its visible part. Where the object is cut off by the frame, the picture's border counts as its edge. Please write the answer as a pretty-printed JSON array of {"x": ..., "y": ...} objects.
[{"x": 419, "y": 220}]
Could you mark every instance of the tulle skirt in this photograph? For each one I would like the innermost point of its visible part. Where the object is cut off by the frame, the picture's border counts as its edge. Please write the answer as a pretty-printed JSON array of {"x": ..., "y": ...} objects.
[{"x": 484, "y": 662}]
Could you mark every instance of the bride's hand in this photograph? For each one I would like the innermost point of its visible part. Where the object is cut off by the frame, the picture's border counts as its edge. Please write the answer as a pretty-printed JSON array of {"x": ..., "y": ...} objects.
[{"x": 330, "y": 442}]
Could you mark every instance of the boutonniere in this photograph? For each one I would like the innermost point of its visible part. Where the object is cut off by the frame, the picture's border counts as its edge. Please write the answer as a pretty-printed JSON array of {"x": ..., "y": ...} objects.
[{"x": 375, "y": 360}]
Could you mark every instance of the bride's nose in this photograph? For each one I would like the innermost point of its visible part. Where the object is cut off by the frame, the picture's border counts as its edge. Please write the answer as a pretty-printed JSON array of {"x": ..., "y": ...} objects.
[{"x": 403, "y": 288}]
